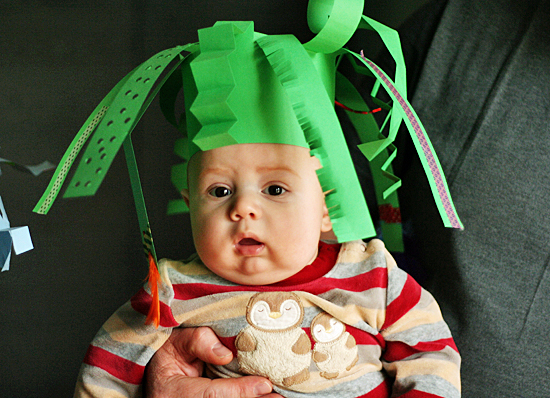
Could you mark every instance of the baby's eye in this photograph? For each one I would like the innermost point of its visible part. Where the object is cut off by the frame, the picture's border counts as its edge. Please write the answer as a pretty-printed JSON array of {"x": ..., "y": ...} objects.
[
  {"x": 274, "y": 190},
  {"x": 220, "y": 192}
]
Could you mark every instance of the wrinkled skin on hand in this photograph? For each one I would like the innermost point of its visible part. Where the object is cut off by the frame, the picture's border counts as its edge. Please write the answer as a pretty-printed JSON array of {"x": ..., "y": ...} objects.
[{"x": 176, "y": 370}]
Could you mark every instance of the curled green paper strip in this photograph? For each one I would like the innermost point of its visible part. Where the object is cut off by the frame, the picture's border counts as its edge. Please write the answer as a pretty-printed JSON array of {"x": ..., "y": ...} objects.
[
  {"x": 334, "y": 21},
  {"x": 385, "y": 182},
  {"x": 424, "y": 148},
  {"x": 391, "y": 41},
  {"x": 123, "y": 107},
  {"x": 315, "y": 113}
]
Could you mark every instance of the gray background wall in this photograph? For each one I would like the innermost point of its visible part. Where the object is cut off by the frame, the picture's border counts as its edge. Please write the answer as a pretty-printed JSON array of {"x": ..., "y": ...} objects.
[{"x": 57, "y": 61}]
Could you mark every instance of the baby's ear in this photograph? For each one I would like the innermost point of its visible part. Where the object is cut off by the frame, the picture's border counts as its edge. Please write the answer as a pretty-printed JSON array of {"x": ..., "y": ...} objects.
[
  {"x": 185, "y": 195},
  {"x": 326, "y": 224}
]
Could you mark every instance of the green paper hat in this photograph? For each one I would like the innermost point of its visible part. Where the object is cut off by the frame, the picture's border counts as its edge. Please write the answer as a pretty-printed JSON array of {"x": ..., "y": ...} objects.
[
  {"x": 232, "y": 94},
  {"x": 241, "y": 86},
  {"x": 245, "y": 87}
]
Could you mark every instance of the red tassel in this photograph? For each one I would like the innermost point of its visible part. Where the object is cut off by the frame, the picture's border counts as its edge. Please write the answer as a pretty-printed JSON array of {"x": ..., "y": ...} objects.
[
  {"x": 153, "y": 317},
  {"x": 354, "y": 111}
]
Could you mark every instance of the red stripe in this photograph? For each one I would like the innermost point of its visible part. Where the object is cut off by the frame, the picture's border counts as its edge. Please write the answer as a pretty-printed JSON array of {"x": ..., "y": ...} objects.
[
  {"x": 121, "y": 368},
  {"x": 141, "y": 302},
  {"x": 382, "y": 391},
  {"x": 407, "y": 299},
  {"x": 229, "y": 342},
  {"x": 389, "y": 214},
  {"x": 397, "y": 350},
  {"x": 376, "y": 278}
]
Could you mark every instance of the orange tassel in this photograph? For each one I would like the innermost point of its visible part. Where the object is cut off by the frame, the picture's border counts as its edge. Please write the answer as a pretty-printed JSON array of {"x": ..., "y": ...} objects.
[{"x": 154, "y": 279}]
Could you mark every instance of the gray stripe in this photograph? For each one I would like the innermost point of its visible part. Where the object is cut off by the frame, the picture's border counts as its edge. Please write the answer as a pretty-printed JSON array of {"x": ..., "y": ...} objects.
[
  {"x": 429, "y": 383},
  {"x": 177, "y": 277},
  {"x": 374, "y": 298},
  {"x": 366, "y": 328},
  {"x": 136, "y": 321},
  {"x": 136, "y": 353},
  {"x": 348, "y": 270},
  {"x": 228, "y": 327},
  {"x": 396, "y": 281},
  {"x": 446, "y": 354},
  {"x": 421, "y": 333}
]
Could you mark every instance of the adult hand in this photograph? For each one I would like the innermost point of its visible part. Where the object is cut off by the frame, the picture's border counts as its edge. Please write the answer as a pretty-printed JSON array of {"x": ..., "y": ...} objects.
[{"x": 175, "y": 370}]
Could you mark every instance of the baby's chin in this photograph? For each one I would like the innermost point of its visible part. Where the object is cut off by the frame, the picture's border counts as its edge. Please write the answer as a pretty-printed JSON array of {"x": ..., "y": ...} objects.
[
  {"x": 254, "y": 270},
  {"x": 257, "y": 278}
]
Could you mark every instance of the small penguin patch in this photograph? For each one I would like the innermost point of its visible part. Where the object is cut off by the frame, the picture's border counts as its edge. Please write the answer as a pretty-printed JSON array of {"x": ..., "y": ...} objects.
[{"x": 335, "y": 350}]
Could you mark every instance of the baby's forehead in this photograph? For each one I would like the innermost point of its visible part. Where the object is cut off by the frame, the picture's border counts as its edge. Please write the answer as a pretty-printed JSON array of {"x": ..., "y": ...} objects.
[
  {"x": 252, "y": 154},
  {"x": 261, "y": 157}
]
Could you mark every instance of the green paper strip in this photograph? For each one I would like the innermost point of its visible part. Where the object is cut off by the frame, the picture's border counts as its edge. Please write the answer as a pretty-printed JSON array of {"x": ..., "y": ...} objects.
[
  {"x": 391, "y": 41},
  {"x": 143, "y": 219},
  {"x": 315, "y": 113},
  {"x": 335, "y": 21},
  {"x": 424, "y": 148},
  {"x": 385, "y": 182},
  {"x": 51, "y": 192},
  {"x": 177, "y": 206},
  {"x": 128, "y": 106},
  {"x": 169, "y": 92}
]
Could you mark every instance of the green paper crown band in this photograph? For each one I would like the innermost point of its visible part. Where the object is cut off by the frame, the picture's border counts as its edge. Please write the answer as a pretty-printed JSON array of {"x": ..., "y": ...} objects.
[
  {"x": 241, "y": 86},
  {"x": 239, "y": 98}
]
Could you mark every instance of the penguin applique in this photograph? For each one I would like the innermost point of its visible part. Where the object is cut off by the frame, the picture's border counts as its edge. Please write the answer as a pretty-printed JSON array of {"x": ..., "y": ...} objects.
[
  {"x": 335, "y": 350},
  {"x": 274, "y": 345}
]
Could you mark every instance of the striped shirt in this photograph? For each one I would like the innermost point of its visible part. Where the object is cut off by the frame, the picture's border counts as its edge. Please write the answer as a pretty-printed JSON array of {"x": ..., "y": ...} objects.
[{"x": 363, "y": 329}]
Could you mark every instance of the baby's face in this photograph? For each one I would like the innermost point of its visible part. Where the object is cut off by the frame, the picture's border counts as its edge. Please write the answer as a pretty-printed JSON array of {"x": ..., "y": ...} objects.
[{"x": 257, "y": 211}]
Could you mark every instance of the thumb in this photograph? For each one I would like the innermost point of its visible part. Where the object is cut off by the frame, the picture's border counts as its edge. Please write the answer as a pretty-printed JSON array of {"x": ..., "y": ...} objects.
[{"x": 201, "y": 343}]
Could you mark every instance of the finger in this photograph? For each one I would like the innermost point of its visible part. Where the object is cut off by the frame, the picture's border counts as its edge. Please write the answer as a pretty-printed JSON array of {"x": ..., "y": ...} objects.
[
  {"x": 198, "y": 387},
  {"x": 201, "y": 343},
  {"x": 242, "y": 387}
]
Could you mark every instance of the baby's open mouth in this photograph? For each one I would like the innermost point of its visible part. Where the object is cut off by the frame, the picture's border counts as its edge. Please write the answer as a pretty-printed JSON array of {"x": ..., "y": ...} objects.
[
  {"x": 249, "y": 247},
  {"x": 249, "y": 242}
]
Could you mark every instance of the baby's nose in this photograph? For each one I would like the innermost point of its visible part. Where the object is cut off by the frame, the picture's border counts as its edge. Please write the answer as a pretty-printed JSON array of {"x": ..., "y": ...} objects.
[{"x": 245, "y": 206}]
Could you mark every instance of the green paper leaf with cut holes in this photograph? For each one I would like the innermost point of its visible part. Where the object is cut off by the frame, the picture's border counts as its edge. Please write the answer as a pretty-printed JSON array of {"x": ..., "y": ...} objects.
[{"x": 123, "y": 114}]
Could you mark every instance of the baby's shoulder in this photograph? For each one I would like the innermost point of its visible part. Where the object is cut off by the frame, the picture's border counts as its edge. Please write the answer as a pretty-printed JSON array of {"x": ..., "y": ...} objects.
[
  {"x": 174, "y": 270},
  {"x": 373, "y": 251}
]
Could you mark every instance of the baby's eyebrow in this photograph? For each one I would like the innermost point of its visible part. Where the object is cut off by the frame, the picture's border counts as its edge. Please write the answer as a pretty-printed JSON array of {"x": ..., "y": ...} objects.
[
  {"x": 268, "y": 169},
  {"x": 212, "y": 170}
]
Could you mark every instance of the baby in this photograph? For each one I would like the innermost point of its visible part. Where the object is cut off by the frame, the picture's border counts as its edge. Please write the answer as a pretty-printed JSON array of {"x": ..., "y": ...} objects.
[
  {"x": 268, "y": 173},
  {"x": 326, "y": 319}
]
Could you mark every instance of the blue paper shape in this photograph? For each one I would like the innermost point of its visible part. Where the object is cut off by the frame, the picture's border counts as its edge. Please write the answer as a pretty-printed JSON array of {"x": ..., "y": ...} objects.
[{"x": 18, "y": 237}]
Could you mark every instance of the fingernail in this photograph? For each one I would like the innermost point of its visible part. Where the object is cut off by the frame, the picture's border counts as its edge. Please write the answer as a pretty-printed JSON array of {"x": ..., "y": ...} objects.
[
  {"x": 220, "y": 350},
  {"x": 262, "y": 389}
]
